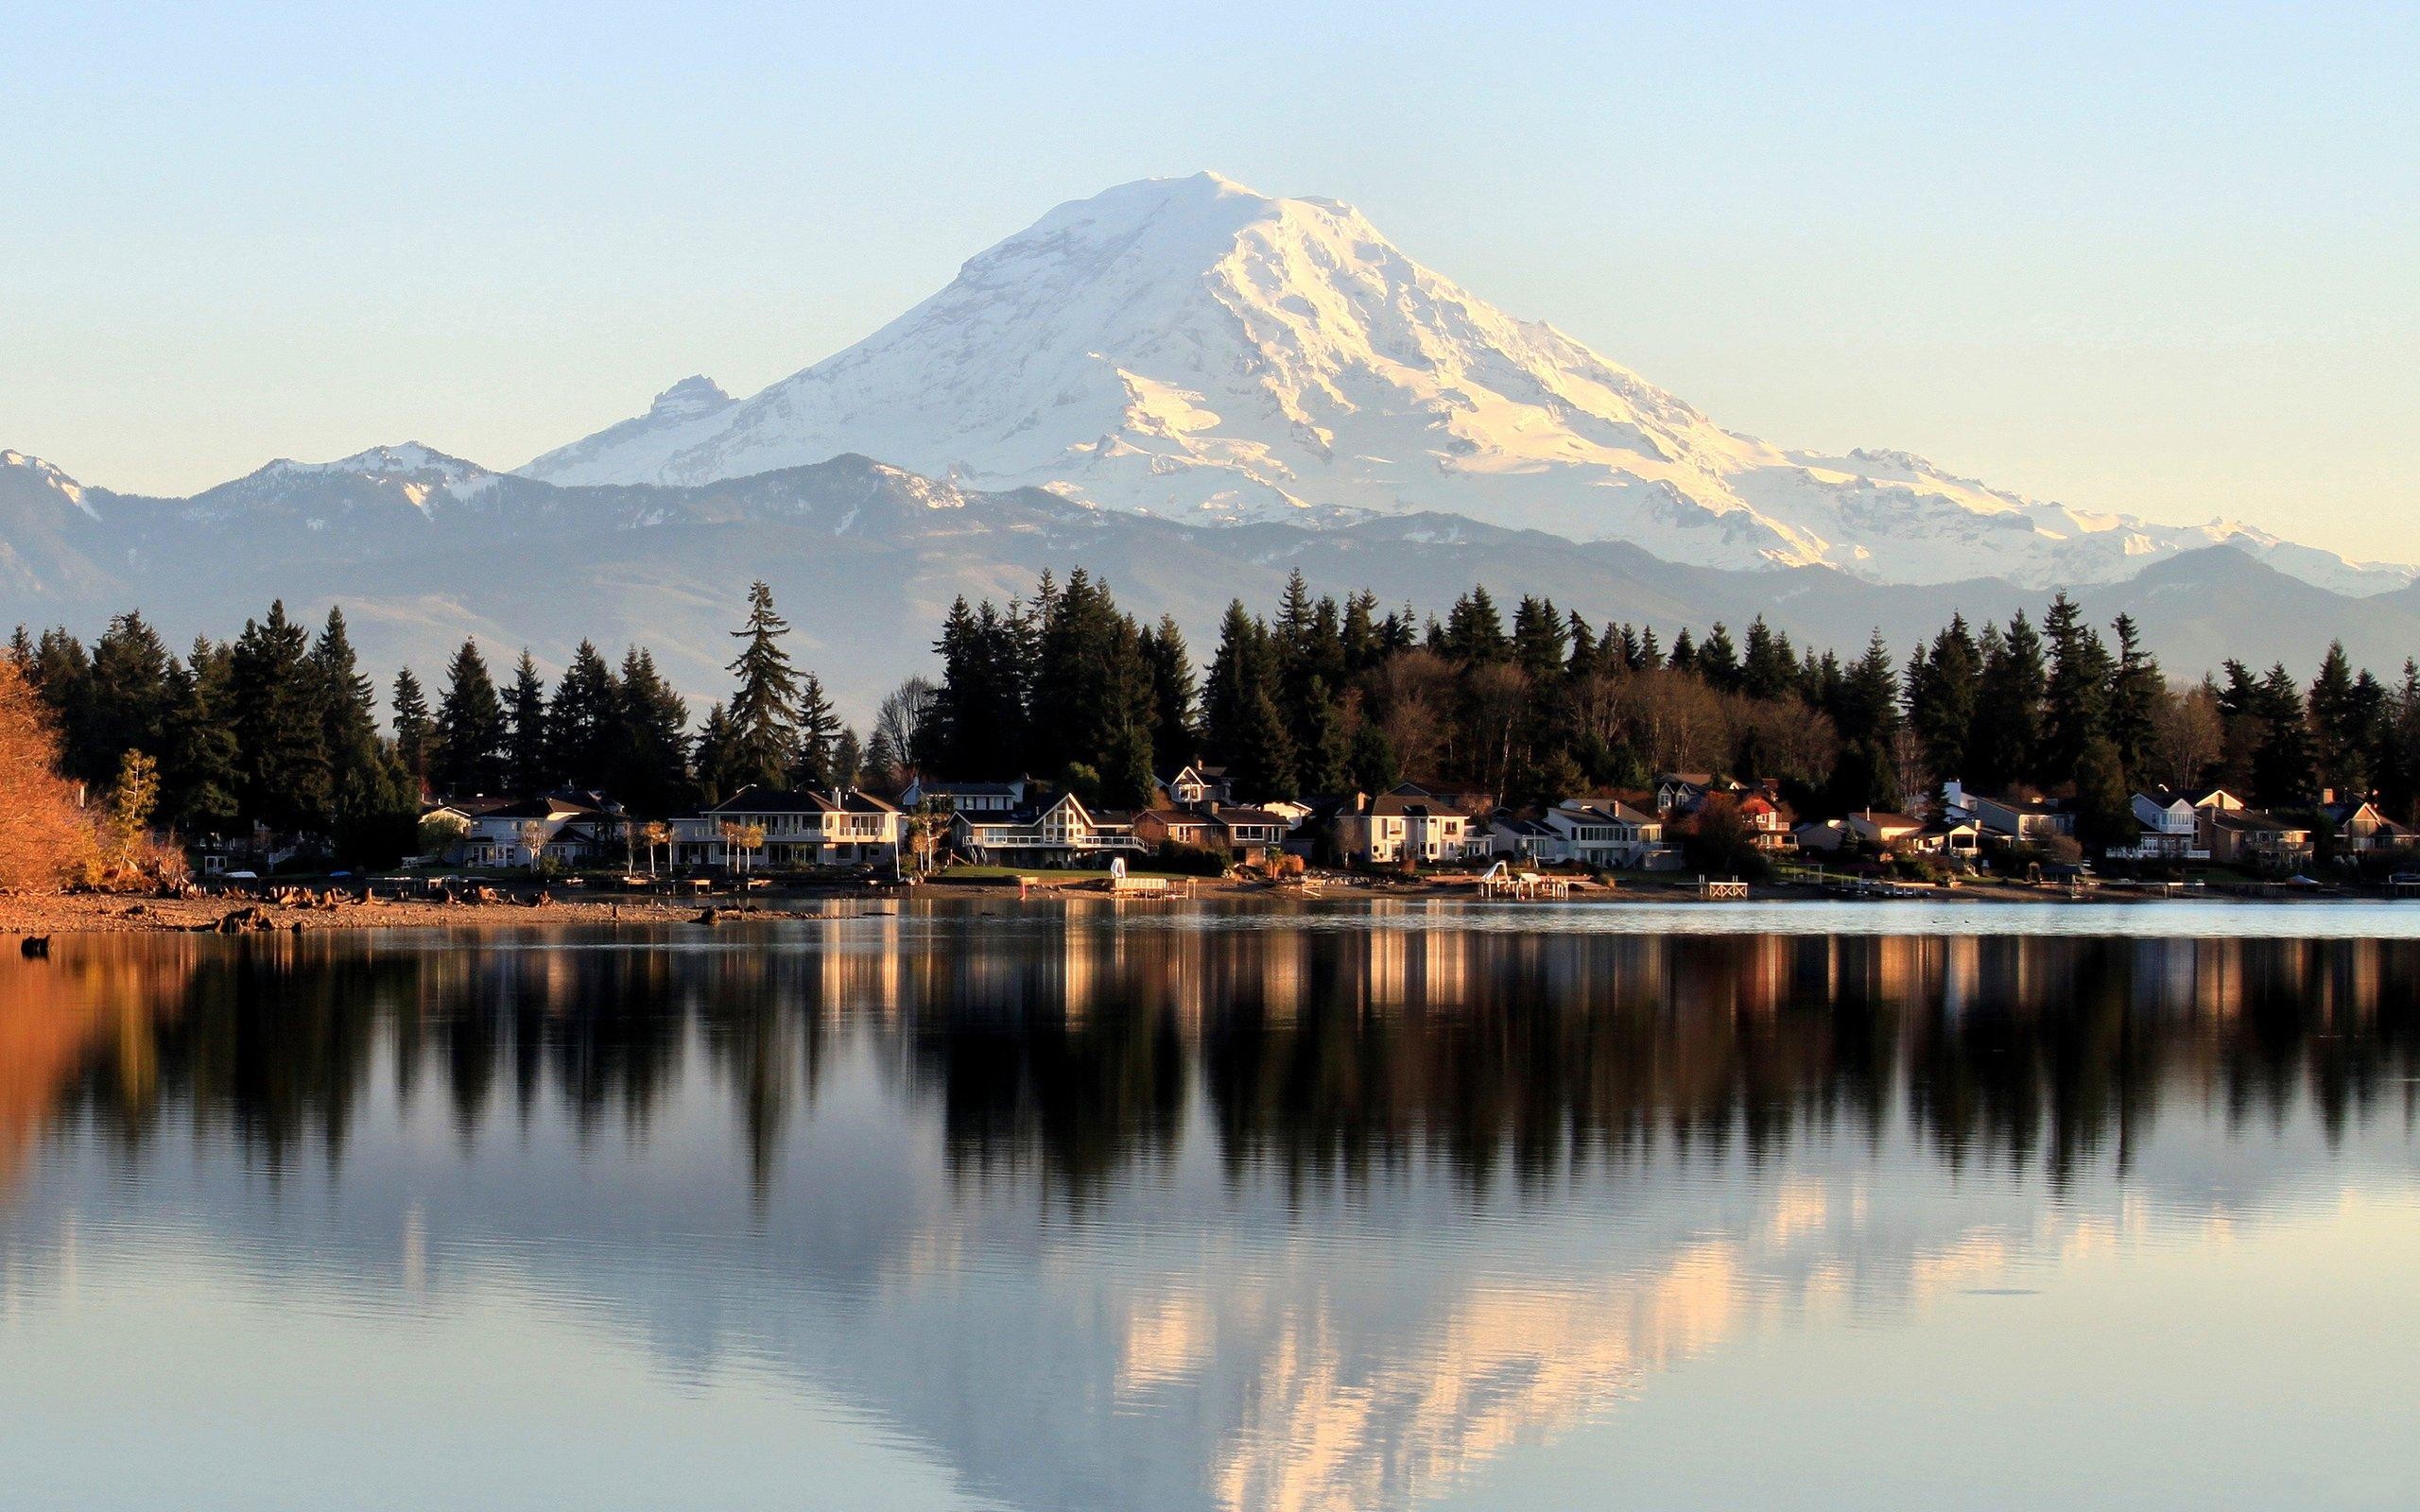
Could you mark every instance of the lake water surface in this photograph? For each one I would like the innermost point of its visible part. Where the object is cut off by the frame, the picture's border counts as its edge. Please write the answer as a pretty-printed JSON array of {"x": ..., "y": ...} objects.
[{"x": 1221, "y": 1207}]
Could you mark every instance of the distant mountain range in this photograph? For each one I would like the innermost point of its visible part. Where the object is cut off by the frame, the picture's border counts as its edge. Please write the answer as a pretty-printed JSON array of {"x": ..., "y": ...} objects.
[
  {"x": 422, "y": 549},
  {"x": 1192, "y": 389}
]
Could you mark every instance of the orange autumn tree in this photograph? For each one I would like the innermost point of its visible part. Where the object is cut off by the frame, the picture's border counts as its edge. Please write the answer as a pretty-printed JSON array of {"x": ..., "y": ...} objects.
[{"x": 45, "y": 839}]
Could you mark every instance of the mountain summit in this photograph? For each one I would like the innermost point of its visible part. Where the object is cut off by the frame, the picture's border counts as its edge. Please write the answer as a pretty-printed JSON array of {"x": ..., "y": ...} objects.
[{"x": 1195, "y": 349}]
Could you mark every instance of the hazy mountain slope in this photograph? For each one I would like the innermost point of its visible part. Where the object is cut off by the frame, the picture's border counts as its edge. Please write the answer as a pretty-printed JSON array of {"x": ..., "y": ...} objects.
[
  {"x": 1196, "y": 350},
  {"x": 423, "y": 549}
]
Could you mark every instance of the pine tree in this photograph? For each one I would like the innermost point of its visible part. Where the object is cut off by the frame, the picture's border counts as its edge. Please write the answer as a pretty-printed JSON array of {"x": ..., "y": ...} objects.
[
  {"x": 2281, "y": 767},
  {"x": 1372, "y": 766},
  {"x": 764, "y": 712},
  {"x": 721, "y": 764},
  {"x": 198, "y": 769},
  {"x": 282, "y": 756},
  {"x": 1538, "y": 639},
  {"x": 363, "y": 782},
  {"x": 1240, "y": 673},
  {"x": 415, "y": 732},
  {"x": 2336, "y": 738},
  {"x": 650, "y": 770},
  {"x": 583, "y": 742},
  {"x": 127, "y": 692},
  {"x": 1322, "y": 748},
  {"x": 1719, "y": 661},
  {"x": 1175, "y": 738},
  {"x": 470, "y": 755},
  {"x": 848, "y": 759},
  {"x": 816, "y": 762},
  {"x": 1475, "y": 631},
  {"x": 2006, "y": 745},
  {"x": 2075, "y": 701},
  {"x": 1770, "y": 668},
  {"x": 2137, "y": 690},
  {"x": 528, "y": 746},
  {"x": 2103, "y": 815},
  {"x": 1943, "y": 686}
]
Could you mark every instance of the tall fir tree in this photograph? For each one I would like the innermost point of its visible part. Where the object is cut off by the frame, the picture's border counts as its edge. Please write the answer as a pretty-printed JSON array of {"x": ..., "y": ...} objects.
[
  {"x": 1175, "y": 737},
  {"x": 764, "y": 710},
  {"x": 2136, "y": 692},
  {"x": 471, "y": 734},
  {"x": 582, "y": 738},
  {"x": 529, "y": 749},
  {"x": 2074, "y": 703},
  {"x": 817, "y": 762},
  {"x": 650, "y": 767},
  {"x": 415, "y": 729},
  {"x": 282, "y": 756}
]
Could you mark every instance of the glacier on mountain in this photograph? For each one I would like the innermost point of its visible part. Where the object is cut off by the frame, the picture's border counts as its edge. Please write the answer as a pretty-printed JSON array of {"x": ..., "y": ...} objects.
[{"x": 1193, "y": 349}]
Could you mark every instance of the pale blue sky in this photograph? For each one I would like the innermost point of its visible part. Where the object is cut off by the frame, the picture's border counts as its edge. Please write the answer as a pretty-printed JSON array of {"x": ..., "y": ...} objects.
[{"x": 2167, "y": 262}]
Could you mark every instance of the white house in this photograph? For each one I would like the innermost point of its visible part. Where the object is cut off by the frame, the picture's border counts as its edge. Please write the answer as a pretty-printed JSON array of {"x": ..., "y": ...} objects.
[
  {"x": 2014, "y": 817},
  {"x": 1604, "y": 832},
  {"x": 2171, "y": 828},
  {"x": 1409, "y": 823},
  {"x": 1196, "y": 784},
  {"x": 1059, "y": 833},
  {"x": 833, "y": 827},
  {"x": 559, "y": 827}
]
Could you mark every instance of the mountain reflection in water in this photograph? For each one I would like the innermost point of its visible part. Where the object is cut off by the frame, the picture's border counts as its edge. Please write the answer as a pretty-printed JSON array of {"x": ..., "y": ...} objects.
[{"x": 1180, "y": 1215}]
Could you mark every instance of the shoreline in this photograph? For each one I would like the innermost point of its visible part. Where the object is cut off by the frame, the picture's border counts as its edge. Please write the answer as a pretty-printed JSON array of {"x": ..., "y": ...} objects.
[{"x": 36, "y": 915}]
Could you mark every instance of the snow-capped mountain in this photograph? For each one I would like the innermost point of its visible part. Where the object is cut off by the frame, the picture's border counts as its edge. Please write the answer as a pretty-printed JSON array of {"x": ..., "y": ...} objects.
[{"x": 1194, "y": 350}]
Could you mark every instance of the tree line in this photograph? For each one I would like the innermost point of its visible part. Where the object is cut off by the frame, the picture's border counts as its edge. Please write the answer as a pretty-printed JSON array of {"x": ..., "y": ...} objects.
[
  {"x": 279, "y": 726},
  {"x": 1324, "y": 696}
]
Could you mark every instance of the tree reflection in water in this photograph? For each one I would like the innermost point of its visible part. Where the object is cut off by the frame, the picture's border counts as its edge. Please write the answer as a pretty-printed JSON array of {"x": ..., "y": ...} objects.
[{"x": 1324, "y": 1057}]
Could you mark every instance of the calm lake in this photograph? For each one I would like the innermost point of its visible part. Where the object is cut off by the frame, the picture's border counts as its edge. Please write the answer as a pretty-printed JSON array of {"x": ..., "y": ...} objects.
[{"x": 1222, "y": 1207}]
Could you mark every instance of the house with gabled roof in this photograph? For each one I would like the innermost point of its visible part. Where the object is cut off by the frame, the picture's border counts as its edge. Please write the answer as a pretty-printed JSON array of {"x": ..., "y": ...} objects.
[
  {"x": 2170, "y": 827},
  {"x": 802, "y": 829},
  {"x": 570, "y": 828},
  {"x": 1062, "y": 831},
  {"x": 1409, "y": 823},
  {"x": 1193, "y": 784},
  {"x": 1604, "y": 832}
]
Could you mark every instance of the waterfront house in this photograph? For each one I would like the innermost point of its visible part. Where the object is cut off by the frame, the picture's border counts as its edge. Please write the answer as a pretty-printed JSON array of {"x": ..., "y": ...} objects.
[
  {"x": 2024, "y": 817},
  {"x": 2361, "y": 828},
  {"x": 1882, "y": 831},
  {"x": 1164, "y": 824},
  {"x": 801, "y": 829},
  {"x": 570, "y": 830},
  {"x": 1409, "y": 823},
  {"x": 2170, "y": 829},
  {"x": 1954, "y": 838},
  {"x": 2249, "y": 838},
  {"x": 1605, "y": 832},
  {"x": 1242, "y": 830},
  {"x": 1061, "y": 832}
]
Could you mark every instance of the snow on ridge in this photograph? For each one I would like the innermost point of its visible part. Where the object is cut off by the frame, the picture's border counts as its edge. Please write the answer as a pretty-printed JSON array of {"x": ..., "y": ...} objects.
[
  {"x": 51, "y": 477},
  {"x": 1193, "y": 349}
]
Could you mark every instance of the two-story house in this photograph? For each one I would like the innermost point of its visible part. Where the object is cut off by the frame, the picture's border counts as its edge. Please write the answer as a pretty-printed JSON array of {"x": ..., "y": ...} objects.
[
  {"x": 2171, "y": 828},
  {"x": 1407, "y": 823},
  {"x": 565, "y": 829},
  {"x": 800, "y": 829},
  {"x": 1604, "y": 832},
  {"x": 1061, "y": 832}
]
